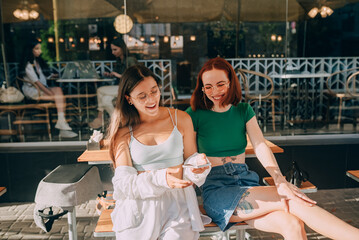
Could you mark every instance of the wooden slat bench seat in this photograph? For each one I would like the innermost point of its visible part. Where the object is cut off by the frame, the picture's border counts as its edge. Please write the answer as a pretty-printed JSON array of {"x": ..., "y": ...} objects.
[
  {"x": 354, "y": 174},
  {"x": 2, "y": 190},
  {"x": 306, "y": 187},
  {"x": 104, "y": 227}
]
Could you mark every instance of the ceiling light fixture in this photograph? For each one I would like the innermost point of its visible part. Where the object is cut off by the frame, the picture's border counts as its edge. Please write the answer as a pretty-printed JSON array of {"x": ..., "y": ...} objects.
[
  {"x": 273, "y": 37},
  {"x": 324, "y": 12},
  {"x": 123, "y": 23},
  {"x": 25, "y": 12}
]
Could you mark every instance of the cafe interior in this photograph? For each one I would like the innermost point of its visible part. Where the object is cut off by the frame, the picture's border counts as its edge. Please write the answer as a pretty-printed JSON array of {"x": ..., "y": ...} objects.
[{"x": 297, "y": 62}]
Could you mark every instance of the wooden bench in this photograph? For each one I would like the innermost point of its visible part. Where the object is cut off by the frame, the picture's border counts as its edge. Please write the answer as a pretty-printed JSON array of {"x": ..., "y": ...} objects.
[
  {"x": 104, "y": 227},
  {"x": 354, "y": 174},
  {"x": 306, "y": 187},
  {"x": 2, "y": 190}
]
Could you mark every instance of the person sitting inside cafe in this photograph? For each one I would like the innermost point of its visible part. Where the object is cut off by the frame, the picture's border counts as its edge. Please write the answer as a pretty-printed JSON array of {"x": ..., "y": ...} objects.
[
  {"x": 33, "y": 68},
  {"x": 106, "y": 94}
]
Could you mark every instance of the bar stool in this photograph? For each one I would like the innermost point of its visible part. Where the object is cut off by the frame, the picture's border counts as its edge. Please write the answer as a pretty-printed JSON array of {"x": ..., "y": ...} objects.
[{"x": 65, "y": 187}]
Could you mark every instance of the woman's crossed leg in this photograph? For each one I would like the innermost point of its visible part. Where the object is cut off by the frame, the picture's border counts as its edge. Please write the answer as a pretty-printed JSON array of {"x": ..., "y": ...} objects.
[{"x": 262, "y": 208}]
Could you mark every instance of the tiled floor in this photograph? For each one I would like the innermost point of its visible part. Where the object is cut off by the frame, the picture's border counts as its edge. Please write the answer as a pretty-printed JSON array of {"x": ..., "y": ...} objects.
[{"x": 16, "y": 219}]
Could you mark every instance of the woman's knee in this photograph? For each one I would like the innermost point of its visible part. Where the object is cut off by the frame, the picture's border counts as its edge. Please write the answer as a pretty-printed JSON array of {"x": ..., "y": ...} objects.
[
  {"x": 292, "y": 226},
  {"x": 57, "y": 91}
]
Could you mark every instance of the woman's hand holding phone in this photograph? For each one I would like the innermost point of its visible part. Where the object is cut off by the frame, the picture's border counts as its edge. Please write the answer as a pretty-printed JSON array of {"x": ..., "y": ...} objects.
[{"x": 202, "y": 164}]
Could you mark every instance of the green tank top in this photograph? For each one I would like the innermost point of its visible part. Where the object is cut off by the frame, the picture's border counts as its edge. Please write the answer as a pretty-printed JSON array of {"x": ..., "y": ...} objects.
[{"x": 222, "y": 134}]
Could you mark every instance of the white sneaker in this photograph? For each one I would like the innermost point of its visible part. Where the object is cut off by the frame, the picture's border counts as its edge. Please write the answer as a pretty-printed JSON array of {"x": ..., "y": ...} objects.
[
  {"x": 62, "y": 125},
  {"x": 67, "y": 134}
]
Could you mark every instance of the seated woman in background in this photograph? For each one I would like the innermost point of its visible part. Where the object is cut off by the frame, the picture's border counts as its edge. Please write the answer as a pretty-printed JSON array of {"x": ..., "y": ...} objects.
[
  {"x": 231, "y": 192},
  {"x": 106, "y": 94},
  {"x": 33, "y": 68},
  {"x": 154, "y": 196}
]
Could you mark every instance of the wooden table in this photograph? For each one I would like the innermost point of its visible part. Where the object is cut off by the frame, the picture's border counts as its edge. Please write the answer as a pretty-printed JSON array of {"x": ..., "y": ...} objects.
[
  {"x": 306, "y": 187},
  {"x": 103, "y": 156}
]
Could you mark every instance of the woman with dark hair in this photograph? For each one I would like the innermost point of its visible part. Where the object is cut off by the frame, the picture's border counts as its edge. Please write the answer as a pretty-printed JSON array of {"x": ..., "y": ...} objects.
[
  {"x": 106, "y": 94},
  {"x": 231, "y": 192},
  {"x": 148, "y": 144},
  {"x": 34, "y": 69}
]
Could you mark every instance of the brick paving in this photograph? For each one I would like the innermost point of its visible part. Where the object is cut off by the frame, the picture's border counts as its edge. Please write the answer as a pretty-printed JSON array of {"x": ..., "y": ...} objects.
[{"x": 16, "y": 219}]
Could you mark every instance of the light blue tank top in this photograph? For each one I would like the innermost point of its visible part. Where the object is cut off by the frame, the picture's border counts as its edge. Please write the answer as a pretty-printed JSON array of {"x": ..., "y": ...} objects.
[{"x": 163, "y": 155}]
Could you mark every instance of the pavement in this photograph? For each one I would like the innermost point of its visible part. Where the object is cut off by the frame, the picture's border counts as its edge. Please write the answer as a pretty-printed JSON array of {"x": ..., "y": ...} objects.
[{"x": 16, "y": 219}]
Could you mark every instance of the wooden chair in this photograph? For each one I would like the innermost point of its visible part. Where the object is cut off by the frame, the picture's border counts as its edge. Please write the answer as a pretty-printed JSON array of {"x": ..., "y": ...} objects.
[
  {"x": 343, "y": 90},
  {"x": 74, "y": 108},
  {"x": 259, "y": 87},
  {"x": 25, "y": 114},
  {"x": 29, "y": 112},
  {"x": 20, "y": 82}
]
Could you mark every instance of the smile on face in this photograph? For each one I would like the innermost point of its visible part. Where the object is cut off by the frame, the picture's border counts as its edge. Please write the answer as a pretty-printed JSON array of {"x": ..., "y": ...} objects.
[
  {"x": 146, "y": 97},
  {"x": 116, "y": 51},
  {"x": 215, "y": 85},
  {"x": 37, "y": 50}
]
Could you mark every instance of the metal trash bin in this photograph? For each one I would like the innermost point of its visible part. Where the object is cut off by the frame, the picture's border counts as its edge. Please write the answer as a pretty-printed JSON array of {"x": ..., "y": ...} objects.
[{"x": 65, "y": 187}]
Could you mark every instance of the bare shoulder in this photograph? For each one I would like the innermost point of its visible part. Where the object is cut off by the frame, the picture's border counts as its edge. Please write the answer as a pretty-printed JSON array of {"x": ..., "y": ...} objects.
[
  {"x": 124, "y": 131},
  {"x": 121, "y": 145},
  {"x": 184, "y": 120},
  {"x": 123, "y": 136},
  {"x": 181, "y": 115}
]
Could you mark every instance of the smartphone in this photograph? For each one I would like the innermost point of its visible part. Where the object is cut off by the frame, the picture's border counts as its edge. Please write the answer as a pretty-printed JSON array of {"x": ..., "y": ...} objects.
[{"x": 194, "y": 166}]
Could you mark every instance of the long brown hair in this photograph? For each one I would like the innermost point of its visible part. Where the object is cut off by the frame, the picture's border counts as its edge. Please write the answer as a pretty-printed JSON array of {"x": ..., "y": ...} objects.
[
  {"x": 125, "y": 114},
  {"x": 199, "y": 99}
]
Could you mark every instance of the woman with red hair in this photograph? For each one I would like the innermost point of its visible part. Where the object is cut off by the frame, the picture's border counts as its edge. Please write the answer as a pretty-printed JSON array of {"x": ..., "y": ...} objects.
[{"x": 232, "y": 192}]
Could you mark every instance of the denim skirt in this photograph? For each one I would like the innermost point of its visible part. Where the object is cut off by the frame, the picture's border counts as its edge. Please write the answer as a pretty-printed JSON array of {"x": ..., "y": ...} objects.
[{"x": 224, "y": 188}]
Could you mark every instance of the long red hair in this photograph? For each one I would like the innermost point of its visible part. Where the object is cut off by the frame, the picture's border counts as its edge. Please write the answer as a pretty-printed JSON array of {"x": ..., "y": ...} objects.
[{"x": 199, "y": 99}]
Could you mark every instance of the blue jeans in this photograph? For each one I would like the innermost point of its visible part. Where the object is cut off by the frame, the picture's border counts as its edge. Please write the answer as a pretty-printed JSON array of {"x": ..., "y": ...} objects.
[{"x": 224, "y": 188}]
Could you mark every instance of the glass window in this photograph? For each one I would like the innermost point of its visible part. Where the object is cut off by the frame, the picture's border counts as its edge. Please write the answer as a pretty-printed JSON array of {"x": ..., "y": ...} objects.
[{"x": 176, "y": 38}]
